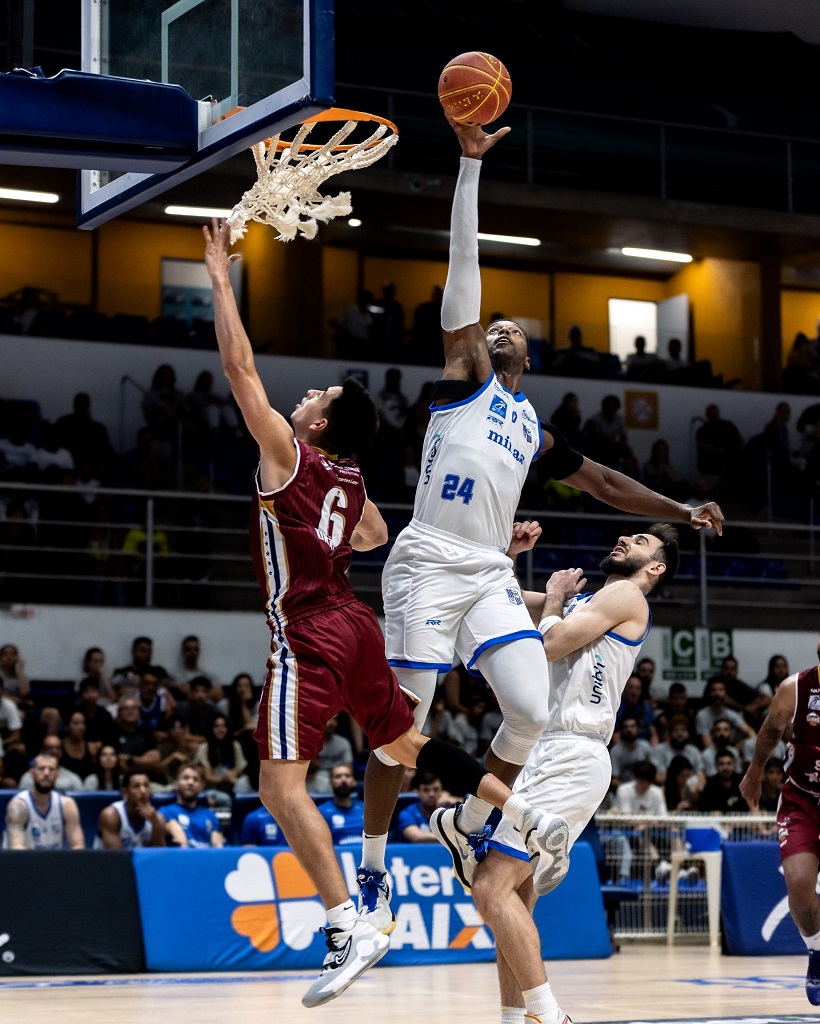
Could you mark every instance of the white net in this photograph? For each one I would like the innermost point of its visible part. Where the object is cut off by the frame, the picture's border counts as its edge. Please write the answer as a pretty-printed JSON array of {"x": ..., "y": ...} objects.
[{"x": 286, "y": 194}]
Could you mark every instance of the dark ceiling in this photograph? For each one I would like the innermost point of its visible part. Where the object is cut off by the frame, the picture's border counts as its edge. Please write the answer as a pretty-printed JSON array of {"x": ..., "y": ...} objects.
[{"x": 743, "y": 70}]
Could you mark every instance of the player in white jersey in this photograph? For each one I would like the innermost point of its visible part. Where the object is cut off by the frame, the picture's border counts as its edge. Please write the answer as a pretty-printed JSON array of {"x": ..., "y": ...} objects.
[
  {"x": 133, "y": 821},
  {"x": 591, "y": 642},
  {"x": 449, "y": 587},
  {"x": 42, "y": 819}
]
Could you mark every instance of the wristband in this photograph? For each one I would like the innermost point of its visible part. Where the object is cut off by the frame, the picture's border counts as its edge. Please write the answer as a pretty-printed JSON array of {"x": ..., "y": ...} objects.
[{"x": 546, "y": 624}]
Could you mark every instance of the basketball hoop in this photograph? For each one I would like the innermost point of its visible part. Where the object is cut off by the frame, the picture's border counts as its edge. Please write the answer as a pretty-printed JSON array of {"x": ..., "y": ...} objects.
[{"x": 286, "y": 194}]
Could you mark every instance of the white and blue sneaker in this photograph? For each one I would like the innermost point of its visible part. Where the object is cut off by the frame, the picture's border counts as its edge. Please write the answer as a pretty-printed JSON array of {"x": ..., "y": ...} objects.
[
  {"x": 350, "y": 952},
  {"x": 467, "y": 851},
  {"x": 813, "y": 978},
  {"x": 547, "y": 842},
  {"x": 374, "y": 900}
]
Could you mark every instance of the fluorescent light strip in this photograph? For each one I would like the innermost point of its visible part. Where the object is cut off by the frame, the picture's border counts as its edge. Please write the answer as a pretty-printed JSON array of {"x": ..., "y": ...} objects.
[
  {"x": 196, "y": 211},
  {"x": 29, "y": 197},
  {"x": 509, "y": 239},
  {"x": 657, "y": 254}
]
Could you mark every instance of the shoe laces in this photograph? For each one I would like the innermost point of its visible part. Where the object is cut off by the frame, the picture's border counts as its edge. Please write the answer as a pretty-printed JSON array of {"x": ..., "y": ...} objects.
[
  {"x": 479, "y": 843},
  {"x": 372, "y": 884}
]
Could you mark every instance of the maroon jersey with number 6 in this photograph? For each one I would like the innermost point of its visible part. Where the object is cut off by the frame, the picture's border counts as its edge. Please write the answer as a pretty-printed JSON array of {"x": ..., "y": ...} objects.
[{"x": 803, "y": 758}]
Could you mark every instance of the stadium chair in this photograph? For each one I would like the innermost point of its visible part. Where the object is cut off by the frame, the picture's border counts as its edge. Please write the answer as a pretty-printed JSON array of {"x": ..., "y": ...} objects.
[{"x": 702, "y": 844}]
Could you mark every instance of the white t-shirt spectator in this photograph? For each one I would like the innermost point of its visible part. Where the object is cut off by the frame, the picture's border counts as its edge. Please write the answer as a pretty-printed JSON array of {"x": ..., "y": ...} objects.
[
  {"x": 629, "y": 801},
  {"x": 706, "y": 718},
  {"x": 9, "y": 715}
]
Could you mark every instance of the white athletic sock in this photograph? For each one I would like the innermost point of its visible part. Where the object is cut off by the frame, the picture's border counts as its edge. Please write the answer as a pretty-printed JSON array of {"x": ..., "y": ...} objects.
[
  {"x": 373, "y": 850},
  {"x": 512, "y": 1015},
  {"x": 518, "y": 811},
  {"x": 812, "y": 941},
  {"x": 541, "y": 1003},
  {"x": 472, "y": 815},
  {"x": 344, "y": 916}
]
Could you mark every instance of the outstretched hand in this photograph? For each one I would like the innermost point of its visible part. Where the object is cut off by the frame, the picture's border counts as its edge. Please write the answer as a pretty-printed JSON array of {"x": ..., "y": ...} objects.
[
  {"x": 217, "y": 243},
  {"x": 707, "y": 516},
  {"x": 524, "y": 537},
  {"x": 474, "y": 141}
]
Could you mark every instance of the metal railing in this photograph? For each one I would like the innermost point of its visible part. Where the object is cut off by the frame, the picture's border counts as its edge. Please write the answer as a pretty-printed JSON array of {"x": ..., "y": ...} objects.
[
  {"x": 179, "y": 549},
  {"x": 638, "y": 852}
]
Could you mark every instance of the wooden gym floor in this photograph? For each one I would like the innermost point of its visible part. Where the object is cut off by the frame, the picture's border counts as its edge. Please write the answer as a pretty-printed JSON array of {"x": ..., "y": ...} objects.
[{"x": 640, "y": 983}]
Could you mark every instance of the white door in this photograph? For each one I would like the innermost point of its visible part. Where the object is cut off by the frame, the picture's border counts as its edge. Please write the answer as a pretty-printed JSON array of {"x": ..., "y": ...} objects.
[{"x": 673, "y": 322}]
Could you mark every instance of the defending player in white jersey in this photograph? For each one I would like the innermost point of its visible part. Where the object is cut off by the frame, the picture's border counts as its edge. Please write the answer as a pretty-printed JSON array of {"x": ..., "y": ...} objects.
[
  {"x": 42, "y": 819},
  {"x": 448, "y": 584},
  {"x": 591, "y": 642}
]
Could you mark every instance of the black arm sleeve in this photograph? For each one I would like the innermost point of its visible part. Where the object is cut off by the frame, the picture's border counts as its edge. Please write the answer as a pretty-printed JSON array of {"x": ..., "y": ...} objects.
[{"x": 561, "y": 460}]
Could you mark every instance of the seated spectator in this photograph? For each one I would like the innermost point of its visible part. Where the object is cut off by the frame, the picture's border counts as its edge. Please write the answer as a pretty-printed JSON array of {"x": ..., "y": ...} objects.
[
  {"x": 777, "y": 671},
  {"x": 188, "y": 824},
  {"x": 99, "y": 725},
  {"x": 677, "y": 703},
  {"x": 679, "y": 744},
  {"x": 721, "y": 741},
  {"x": 715, "y": 697},
  {"x": 628, "y": 751},
  {"x": 156, "y": 706},
  {"x": 175, "y": 751},
  {"x": 675, "y": 366},
  {"x": 634, "y": 705},
  {"x": 106, "y": 773},
  {"x": 211, "y": 414},
  {"x": 721, "y": 794},
  {"x": 719, "y": 445},
  {"x": 605, "y": 435},
  {"x": 659, "y": 475},
  {"x": 222, "y": 761},
  {"x": 86, "y": 439},
  {"x": 133, "y": 821},
  {"x": 40, "y": 818},
  {"x": 739, "y": 695},
  {"x": 94, "y": 668},
  {"x": 747, "y": 751},
  {"x": 336, "y": 750},
  {"x": 65, "y": 781},
  {"x": 126, "y": 679},
  {"x": 137, "y": 749},
  {"x": 13, "y": 675},
  {"x": 641, "y": 795},
  {"x": 259, "y": 829},
  {"x": 164, "y": 408},
  {"x": 243, "y": 715},
  {"x": 199, "y": 711},
  {"x": 344, "y": 813},
  {"x": 77, "y": 756},
  {"x": 645, "y": 671},
  {"x": 11, "y": 724},
  {"x": 578, "y": 359},
  {"x": 772, "y": 785},
  {"x": 682, "y": 785},
  {"x": 413, "y": 822},
  {"x": 640, "y": 364},
  {"x": 190, "y": 651},
  {"x": 567, "y": 418}
]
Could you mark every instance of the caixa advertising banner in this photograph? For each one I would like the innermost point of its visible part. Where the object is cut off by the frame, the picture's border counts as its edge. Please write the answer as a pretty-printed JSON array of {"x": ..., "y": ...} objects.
[
  {"x": 252, "y": 908},
  {"x": 754, "y": 902}
]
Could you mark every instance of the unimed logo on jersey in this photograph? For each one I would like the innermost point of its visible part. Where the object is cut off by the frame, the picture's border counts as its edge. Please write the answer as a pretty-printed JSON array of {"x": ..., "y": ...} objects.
[{"x": 279, "y": 905}]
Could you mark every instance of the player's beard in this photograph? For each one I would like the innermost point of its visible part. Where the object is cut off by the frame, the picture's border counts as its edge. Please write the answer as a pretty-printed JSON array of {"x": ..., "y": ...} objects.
[
  {"x": 610, "y": 566},
  {"x": 41, "y": 789},
  {"x": 506, "y": 360}
]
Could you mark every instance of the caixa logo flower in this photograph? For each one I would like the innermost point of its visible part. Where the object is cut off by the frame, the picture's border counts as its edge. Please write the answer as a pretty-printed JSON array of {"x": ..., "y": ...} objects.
[{"x": 277, "y": 902}]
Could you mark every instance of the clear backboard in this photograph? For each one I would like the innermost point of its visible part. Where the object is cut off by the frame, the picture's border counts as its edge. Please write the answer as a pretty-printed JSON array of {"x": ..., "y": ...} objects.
[{"x": 255, "y": 67}]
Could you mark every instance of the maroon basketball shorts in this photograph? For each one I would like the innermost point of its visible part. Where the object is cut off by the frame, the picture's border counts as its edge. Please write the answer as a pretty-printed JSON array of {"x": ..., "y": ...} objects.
[
  {"x": 798, "y": 822},
  {"x": 325, "y": 663}
]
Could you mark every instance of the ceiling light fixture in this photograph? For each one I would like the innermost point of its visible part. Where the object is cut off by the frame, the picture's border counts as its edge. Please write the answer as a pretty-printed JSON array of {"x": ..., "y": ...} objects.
[
  {"x": 509, "y": 239},
  {"x": 658, "y": 254},
  {"x": 354, "y": 222},
  {"x": 29, "y": 197},
  {"x": 197, "y": 211}
]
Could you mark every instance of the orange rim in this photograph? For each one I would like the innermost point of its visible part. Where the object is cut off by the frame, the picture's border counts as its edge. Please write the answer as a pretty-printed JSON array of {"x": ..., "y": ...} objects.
[{"x": 336, "y": 114}]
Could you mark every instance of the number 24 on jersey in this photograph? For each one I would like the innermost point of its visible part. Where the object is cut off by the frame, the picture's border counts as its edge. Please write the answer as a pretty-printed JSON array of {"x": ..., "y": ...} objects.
[{"x": 456, "y": 488}]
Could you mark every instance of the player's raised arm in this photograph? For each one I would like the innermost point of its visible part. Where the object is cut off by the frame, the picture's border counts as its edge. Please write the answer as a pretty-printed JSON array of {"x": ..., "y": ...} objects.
[
  {"x": 271, "y": 430},
  {"x": 466, "y": 355}
]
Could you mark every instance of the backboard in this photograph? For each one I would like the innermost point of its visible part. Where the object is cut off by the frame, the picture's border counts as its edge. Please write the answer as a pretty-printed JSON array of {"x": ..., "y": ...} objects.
[{"x": 255, "y": 67}]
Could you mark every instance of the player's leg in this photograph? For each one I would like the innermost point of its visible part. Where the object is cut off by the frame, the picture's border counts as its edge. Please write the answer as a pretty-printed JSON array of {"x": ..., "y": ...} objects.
[
  {"x": 800, "y": 871},
  {"x": 298, "y": 699},
  {"x": 382, "y": 784}
]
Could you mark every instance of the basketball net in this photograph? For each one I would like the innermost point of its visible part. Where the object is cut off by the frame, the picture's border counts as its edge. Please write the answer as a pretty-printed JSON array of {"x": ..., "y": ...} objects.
[{"x": 286, "y": 195}]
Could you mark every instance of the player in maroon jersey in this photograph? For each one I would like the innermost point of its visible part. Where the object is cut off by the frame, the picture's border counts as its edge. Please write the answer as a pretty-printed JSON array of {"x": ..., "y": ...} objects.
[
  {"x": 796, "y": 704},
  {"x": 327, "y": 649}
]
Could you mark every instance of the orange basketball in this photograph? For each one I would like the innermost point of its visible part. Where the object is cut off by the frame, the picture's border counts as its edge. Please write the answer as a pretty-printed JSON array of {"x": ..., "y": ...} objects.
[{"x": 474, "y": 88}]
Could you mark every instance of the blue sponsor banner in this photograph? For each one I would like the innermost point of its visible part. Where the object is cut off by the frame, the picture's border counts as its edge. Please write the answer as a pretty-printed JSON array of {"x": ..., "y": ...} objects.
[
  {"x": 254, "y": 908},
  {"x": 754, "y": 902}
]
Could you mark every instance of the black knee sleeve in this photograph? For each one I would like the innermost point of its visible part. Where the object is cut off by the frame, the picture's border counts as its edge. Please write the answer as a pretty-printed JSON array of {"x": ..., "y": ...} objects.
[{"x": 462, "y": 772}]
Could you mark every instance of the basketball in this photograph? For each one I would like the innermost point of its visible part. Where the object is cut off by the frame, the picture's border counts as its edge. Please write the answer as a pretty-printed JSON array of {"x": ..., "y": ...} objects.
[{"x": 474, "y": 88}]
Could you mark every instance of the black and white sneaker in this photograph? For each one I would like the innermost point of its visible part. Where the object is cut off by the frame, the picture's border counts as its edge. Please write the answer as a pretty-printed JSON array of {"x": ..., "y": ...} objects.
[
  {"x": 547, "y": 842},
  {"x": 349, "y": 953},
  {"x": 467, "y": 851}
]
